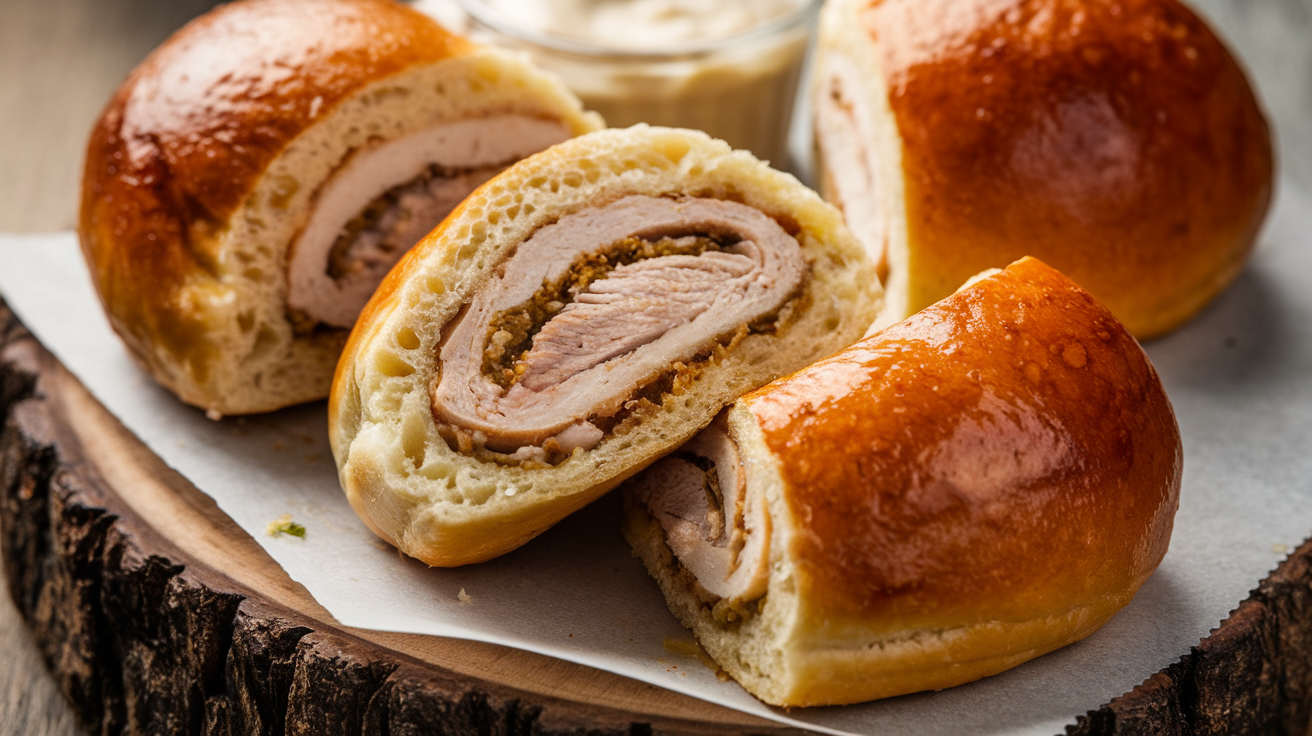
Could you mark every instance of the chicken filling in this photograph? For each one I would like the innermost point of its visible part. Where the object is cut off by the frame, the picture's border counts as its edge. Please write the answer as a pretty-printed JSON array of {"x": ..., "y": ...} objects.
[
  {"x": 715, "y": 527},
  {"x": 374, "y": 240},
  {"x": 509, "y": 356},
  {"x": 385, "y": 198},
  {"x": 846, "y": 140},
  {"x": 600, "y": 315}
]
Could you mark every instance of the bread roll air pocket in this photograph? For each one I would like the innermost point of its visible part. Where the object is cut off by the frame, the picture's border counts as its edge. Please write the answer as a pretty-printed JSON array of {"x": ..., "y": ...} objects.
[
  {"x": 966, "y": 490},
  {"x": 578, "y": 316}
]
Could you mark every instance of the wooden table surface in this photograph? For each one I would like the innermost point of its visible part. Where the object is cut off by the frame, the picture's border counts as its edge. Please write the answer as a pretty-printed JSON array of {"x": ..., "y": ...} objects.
[
  {"x": 61, "y": 59},
  {"x": 59, "y": 62}
]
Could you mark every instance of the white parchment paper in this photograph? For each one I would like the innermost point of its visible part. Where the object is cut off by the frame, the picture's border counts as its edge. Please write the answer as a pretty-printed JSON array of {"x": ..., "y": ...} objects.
[{"x": 1240, "y": 377}]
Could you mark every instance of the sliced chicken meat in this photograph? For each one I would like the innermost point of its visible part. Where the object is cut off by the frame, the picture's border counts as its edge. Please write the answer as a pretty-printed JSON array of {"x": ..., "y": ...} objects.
[
  {"x": 697, "y": 271},
  {"x": 718, "y": 531},
  {"x": 631, "y": 307},
  {"x": 385, "y": 198},
  {"x": 846, "y": 136}
]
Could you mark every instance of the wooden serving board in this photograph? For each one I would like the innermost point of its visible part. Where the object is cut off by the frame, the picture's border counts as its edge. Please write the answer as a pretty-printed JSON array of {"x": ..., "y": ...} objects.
[{"x": 157, "y": 614}]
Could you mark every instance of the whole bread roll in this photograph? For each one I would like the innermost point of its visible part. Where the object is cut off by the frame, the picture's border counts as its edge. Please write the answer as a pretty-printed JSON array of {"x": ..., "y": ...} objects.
[
  {"x": 1117, "y": 140},
  {"x": 253, "y": 180},
  {"x": 584, "y": 312},
  {"x": 976, "y": 486}
]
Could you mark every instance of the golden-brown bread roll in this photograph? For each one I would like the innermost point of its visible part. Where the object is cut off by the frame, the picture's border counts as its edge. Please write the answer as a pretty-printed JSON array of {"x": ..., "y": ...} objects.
[
  {"x": 584, "y": 312},
  {"x": 251, "y": 182},
  {"x": 1119, "y": 141},
  {"x": 983, "y": 483}
]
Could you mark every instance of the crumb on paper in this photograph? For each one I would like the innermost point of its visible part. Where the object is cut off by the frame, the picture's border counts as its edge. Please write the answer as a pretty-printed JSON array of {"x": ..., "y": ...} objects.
[
  {"x": 1280, "y": 549},
  {"x": 284, "y": 525},
  {"x": 690, "y": 648},
  {"x": 685, "y": 647},
  {"x": 464, "y": 597}
]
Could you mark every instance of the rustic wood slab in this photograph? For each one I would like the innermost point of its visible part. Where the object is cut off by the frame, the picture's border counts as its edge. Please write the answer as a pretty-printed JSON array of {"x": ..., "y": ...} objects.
[{"x": 157, "y": 614}]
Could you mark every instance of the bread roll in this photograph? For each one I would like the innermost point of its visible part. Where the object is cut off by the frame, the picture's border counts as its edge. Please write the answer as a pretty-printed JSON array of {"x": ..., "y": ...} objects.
[
  {"x": 983, "y": 483},
  {"x": 584, "y": 312},
  {"x": 1118, "y": 141},
  {"x": 251, "y": 182}
]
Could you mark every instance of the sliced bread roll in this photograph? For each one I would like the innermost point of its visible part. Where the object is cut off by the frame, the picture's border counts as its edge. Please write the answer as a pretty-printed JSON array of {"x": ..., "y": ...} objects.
[
  {"x": 1119, "y": 141},
  {"x": 253, "y": 180},
  {"x": 983, "y": 483},
  {"x": 581, "y": 314}
]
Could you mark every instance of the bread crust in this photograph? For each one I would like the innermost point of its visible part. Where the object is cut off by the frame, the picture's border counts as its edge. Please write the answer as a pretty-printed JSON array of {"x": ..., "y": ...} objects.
[
  {"x": 1019, "y": 393},
  {"x": 1120, "y": 142},
  {"x": 968, "y": 489}
]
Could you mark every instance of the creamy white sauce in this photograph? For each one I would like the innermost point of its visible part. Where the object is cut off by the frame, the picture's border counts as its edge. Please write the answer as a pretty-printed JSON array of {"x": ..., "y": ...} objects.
[
  {"x": 644, "y": 24},
  {"x": 630, "y": 60}
]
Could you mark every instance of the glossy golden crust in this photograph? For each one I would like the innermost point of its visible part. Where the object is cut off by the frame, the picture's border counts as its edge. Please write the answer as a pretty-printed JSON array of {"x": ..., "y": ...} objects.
[
  {"x": 187, "y": 135},
  {"x": 1008, "y": 453},
  {"x": 1118, "y": 140},
  {"x": 224, "y": 95}
]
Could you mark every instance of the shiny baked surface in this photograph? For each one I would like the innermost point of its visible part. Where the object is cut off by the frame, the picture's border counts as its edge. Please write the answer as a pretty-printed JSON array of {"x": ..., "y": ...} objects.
[
  {"x": 181, "y": 143},
  {"x": 211, "y": 107},
  {"x": 1008, "y": 453},
  {"x": 1118, "y": 141}
]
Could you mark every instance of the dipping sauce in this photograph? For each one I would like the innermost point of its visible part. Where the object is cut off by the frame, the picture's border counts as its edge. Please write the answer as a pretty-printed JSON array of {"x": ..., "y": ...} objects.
[
  {"x": 728, "y": 67},
  {"x": 644, "y": 25}
]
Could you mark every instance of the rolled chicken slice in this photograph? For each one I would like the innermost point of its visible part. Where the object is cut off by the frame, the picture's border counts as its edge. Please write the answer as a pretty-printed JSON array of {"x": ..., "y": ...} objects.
[
  {"x": 385, "y": 198},
  {"x": 621, "y": 330},
  {"x": 968, "y": 489},
  {"x": 717, "y": 529},
  {"x": 582, "y": 313},
  {"x": 855, "y": 165},
  {"x": 252, "y": 182}
]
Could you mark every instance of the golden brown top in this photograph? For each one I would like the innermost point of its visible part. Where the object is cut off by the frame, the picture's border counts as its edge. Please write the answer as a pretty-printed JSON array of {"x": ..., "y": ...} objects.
[
  {"x": 1118, "y": 140},
  {"x": 221, "y": 98},
  {"x": 187, "y": 135},
  {"x": 1009, "y": 449}
]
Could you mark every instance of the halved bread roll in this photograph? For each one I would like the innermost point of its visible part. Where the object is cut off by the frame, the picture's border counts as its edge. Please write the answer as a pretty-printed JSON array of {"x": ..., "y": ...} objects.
[
  {"x": 253, "y": 180},
  {"x": 976, "y": 486},
  {"x": 1118, "y": 141},
  {"x": 581, "y": 314}
]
